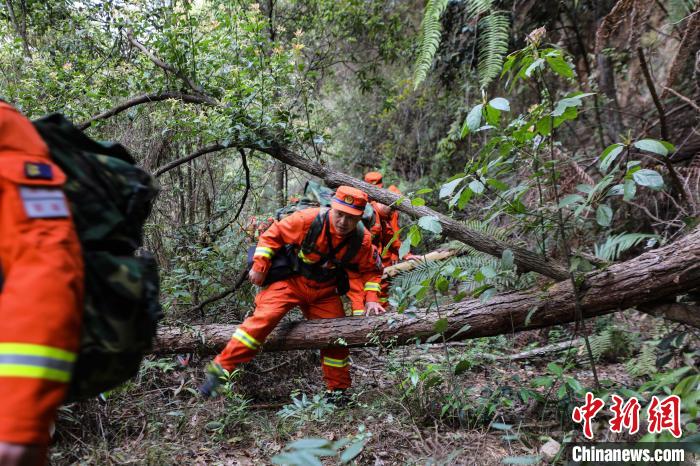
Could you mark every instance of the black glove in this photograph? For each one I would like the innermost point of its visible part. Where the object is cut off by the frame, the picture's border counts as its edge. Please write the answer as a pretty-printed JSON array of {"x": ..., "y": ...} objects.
[{"x": 214, "y": 376}]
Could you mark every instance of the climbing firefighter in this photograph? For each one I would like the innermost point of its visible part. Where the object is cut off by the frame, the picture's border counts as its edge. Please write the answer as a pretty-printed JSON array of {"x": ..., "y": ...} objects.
[
  {"x": 383, "y": 224},
  {"x": 307, "y": 260},
  {"x": 41, "y": 286}
]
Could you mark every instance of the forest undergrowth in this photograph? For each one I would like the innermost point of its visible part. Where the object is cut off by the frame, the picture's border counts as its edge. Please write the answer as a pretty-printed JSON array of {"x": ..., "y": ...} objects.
[{"x": 403, "y": 411}]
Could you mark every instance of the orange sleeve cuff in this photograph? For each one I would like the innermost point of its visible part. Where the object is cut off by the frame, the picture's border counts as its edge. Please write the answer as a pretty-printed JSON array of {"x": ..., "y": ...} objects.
[
  {"x": 261, "y": 265},
  {"x": 371, "y": 297}
]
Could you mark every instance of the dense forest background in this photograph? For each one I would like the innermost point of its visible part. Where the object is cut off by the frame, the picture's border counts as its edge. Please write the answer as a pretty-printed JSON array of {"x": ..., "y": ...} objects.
[{"x": 569, "y": 128}]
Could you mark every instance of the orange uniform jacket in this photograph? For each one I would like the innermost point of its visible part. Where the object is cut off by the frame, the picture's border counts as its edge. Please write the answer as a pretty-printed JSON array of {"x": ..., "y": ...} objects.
[
  {"x": 292, "y": 230},
  {"x": 41, "y": 294},
  {"x": 382, "y": 232}
]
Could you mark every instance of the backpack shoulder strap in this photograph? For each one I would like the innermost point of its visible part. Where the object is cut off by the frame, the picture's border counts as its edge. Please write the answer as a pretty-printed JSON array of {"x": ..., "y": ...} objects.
[
  {"x": 309, "y": 243},
  {"x": 355, "y": 244}
]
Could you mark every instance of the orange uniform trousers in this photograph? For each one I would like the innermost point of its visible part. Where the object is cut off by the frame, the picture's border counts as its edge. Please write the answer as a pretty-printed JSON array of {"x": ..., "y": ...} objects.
[{"x": 316, "y": 301}]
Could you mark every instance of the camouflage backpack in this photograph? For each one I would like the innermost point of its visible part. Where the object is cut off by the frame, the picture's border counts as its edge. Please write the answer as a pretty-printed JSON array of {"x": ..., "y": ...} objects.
[{"x": 110, "y": 199}]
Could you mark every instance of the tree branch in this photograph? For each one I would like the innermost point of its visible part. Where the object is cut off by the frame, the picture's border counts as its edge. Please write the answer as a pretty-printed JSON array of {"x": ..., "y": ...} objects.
[
  {"x": 146, "y": 99},
  {"x": 161, "y": 64},
  {"x": 240, "y": 279},
  {"x": 654, "y": 95},
  {"x": 526, "y": 260},
  {"x": 192, "y": 156},
  {"x": 675, "y": 180}
]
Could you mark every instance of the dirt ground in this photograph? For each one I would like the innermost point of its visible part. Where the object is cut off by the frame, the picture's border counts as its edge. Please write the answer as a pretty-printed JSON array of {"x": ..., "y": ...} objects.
[{"x": 397, "y": 407}]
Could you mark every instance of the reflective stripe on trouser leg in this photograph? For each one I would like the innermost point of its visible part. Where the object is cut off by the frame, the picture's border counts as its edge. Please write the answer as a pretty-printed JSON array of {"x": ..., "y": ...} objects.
[
  {"x": 327, "y": 305},
  {"x": 271, "y": 304},
  {"x": 335, "y": 363}
]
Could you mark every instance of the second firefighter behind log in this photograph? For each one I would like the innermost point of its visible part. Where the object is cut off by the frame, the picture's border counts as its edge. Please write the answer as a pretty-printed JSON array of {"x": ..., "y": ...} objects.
[{"x": 306, "y": 260}]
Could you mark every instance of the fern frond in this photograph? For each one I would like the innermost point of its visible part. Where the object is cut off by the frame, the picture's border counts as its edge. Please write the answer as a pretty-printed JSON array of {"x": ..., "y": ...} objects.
[
  {"x": 429, "y": 39},
  {"x": 615, "y": 245},
  {"x": 644, "y": 363},
  {"x": 478, "y": 7},
  {"x": 492, "y": 45}
]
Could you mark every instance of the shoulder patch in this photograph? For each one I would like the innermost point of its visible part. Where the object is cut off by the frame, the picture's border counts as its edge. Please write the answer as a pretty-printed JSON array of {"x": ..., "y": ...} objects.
[
  {"x": 38, "y": 171},
  {"x": 44, "y": 202}
]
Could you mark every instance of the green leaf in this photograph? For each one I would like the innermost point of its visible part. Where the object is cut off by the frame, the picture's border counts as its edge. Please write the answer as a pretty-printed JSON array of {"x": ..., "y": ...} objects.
[
  {"x": 648, "y": 178},
  {"x": 533, "y": 66},
  {"x": 414, "y": 235},
  {"x": 442, "y": 285},
  {"x": 609, "y": 155},
  {"x": 430, "y": 223},
  {"x": 440, "y": 325},
  {"x": 352, "y": 451},
  {"x": 307, "y": 443},
  {"x": 496, "y": 184},
  {"x": 476, "y": 186},
  {"x": 555, "y": 369},
  {"x": 542, "y": 381},
  {"x": 213, "y": 425},
  {"x": 462, "y": 366},
  {"x": 500, "y": 103},
  {"x": 493, "y": 118},
  {"x": 569, "y": 200},
  {"x": 473, "y": 120},
  {"x": 424, "y": 191},
  {"x": 603, "y": 215},
  {"x": 464, "y": 328},
  {"x": 448, "y": 188},
  {"x": 464, "y": 198},
  {"x": 651, "y": 145},
  {"x": 418, "y": 202},
  {"x": 560, "y": 66}
]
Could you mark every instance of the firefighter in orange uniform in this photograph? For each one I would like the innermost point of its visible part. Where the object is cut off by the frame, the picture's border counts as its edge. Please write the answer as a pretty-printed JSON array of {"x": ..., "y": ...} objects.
[
  {"x": 386, "y": 223},
  {"x": 325, "y": 243},
  {"x": 41, "y": 286}
]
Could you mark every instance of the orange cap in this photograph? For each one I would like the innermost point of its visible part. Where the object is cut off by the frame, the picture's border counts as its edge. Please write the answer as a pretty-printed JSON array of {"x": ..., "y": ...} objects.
[
  {"x": 374, "y": 178},
  {"x": 349, "y": 200},
  {"x": 394, "y": 189}
]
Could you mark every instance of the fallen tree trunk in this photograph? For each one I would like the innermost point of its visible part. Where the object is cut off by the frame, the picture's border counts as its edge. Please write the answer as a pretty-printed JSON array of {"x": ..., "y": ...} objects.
[
  {"x": 525, "y": 260},
  {"x": 654, "y": 275}
]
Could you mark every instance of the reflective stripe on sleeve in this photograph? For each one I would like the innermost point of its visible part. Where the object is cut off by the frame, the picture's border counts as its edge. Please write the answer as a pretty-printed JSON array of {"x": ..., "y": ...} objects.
[
  {"x": 358, "y": 312},
  {"x": 35, "y": 361},
  {"x": 331, "y": 362},
  {"x": 263, "y": 252},
  {"x": 245, "y": 338},
  {"x": 372, "y": 286}
]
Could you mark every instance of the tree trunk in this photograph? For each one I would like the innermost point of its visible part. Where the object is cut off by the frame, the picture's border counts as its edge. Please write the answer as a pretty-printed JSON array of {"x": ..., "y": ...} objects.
[
  {"x": 525, "y": 260},
  {"x": 654, "y": 275}
]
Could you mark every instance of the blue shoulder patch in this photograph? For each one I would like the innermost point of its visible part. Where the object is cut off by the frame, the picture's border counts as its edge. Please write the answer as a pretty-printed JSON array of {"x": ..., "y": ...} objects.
[{"x": 38, "y": 171}]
